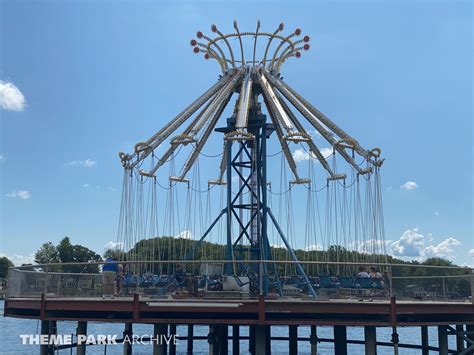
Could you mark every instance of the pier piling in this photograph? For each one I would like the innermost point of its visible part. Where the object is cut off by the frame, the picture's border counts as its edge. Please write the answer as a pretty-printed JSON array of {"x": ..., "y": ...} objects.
[
  {"x": 314, "y": 340},
  {"x": 190, "y": 342},
  {"x": 340, "y": 340},
  {"x": 443, "y": 339},
  {"x": 172, "y": 347},
  {"x": 81, "y": 330},
  {"x": 424, "y": 340},
  {"x": 159, "y": 346},
  {"x": 235, "y": 340},
  {"x": 127, "y": 345},
  {"x": 293, "y": 335},
  {"x": 370, "y": 340}
]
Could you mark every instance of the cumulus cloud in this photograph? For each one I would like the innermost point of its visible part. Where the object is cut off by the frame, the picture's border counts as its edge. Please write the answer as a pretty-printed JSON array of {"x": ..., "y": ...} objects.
[
  {"x": 184, "y": 235},
  {"x": 370, "y": 246},
  {"x": 471, "y": 253},
  {"x": 21, "y": 194},
  {"x": 300, "y": 155},
  {"x": 88, "y": 163},
  {"x": 11, "y": 98},
  {"x": 413, "y": 244},
  {"x": 113, "y": 245},
  {"x": 409, "y": 185},
  {"x": 443, "y": 249},
  {"x": 18, "y": 259},
  {"x": 314, "y": 247}
]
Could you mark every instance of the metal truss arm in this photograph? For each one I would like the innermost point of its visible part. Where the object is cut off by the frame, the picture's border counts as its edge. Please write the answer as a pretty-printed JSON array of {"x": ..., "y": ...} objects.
[
  {"x": 312, "y": 146},
  {"x": 324, "y": 119},
  {"x": 198, "y": 243},
  {"x": 314, "y": 122},
  {"x": 281, "y": 138},
  {"x": 210, "y": 127},
  {"x": 292, "y": 253}
]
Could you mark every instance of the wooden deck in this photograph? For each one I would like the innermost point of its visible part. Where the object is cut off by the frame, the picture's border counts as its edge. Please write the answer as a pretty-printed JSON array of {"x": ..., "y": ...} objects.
[{"x": 244, "y": 311}]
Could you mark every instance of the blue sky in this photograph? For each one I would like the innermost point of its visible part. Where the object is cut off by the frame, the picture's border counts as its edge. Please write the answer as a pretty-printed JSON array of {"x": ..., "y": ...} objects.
[{"x": 97, "y": 77}]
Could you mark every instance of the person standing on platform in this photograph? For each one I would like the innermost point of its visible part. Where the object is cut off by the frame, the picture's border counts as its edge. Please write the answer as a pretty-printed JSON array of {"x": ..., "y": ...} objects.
[{"x": 109, "y": 272}]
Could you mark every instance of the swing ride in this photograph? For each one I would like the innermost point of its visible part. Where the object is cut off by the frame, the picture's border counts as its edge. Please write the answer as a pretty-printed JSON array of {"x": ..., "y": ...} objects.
[{"x": 219, "y": 180}]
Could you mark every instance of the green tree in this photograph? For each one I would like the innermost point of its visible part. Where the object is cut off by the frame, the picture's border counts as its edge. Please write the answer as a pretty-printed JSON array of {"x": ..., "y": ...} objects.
[
  {"x": 47, "y": 254},
  {"x": 5, "y": 263}
]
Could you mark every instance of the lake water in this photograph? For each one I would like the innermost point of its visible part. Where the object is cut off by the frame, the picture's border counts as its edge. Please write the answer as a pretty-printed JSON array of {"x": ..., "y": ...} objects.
[{"x": 11, "y": 328}]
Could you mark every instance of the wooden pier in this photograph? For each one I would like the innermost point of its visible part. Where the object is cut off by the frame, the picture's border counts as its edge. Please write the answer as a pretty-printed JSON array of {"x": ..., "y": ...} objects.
[{"x": 451, "y": 318}]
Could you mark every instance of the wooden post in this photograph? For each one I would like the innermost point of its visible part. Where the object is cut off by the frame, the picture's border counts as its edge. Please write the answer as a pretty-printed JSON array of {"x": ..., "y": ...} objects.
[
  {"x": 189, "y": 345},
  {"x": 370, "y": 340},
  {"x": 268, "y": 338},
  {"x": 261, "y": 340},
  {"x": 293, "y": 338},
  {"x": 251, "y": 339},
  {"x": 459, "y": 338},
  {"x": 159, "y": 344},
  {"x": 127, "y": 345},
  {"x": 424, "y": 340},
  {"x": 81, "y": 331},
  {"x": 235, "y": 340},
  {"x": 212, "y": 340},
  {"x": 340, "y": 340},
  {"x": 470, "y": 335},
  {"x": 44, "y": 331},
  {"x": 313, "y": 339},
  {"x": 443, "y": 339},
  {"x": 172, "y": 350},
  {"x": 223, "y": 339},
  {"x": 53, "y": 330}
]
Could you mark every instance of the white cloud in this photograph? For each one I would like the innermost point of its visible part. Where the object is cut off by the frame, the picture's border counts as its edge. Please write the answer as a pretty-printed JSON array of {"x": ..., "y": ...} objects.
[
  {"x": 471, "y": 253},
  {"x": 409, "y": 185},
  {"x": 19, "y": 260},
  {"x": 314, "y": 247},
  {"x": 300, "y": 155},
  {"x": 21, "y": 194},
  {"x": 370, "y": 246},
  {"x": 113, "y": 245},
  {"x": 88, "y": 163},
  {"x": 184, "y": 235},
  {"x": 436, "y": 213},
  {"x": 85, "y": 186},
  {"x": 443, "y": 249},
  {"x": 11, "y": 98},
  {"x": 2, "y": 157},
  {"x": 412, "y": 244}
]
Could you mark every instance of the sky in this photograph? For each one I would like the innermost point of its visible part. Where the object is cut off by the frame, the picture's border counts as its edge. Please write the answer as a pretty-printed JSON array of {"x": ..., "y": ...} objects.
[{"x": 82, "y": 80}]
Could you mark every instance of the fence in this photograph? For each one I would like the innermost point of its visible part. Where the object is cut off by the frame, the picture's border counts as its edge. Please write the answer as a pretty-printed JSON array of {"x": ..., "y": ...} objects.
[{"x": 243, "y": 279}]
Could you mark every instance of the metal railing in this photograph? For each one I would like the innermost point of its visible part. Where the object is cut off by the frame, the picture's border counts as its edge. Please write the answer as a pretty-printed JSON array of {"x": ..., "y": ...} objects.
[{"x": 207, "y": 279}]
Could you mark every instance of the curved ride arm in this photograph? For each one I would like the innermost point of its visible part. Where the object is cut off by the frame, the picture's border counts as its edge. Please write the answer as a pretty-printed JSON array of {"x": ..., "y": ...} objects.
[
  {"x": 229, "y": 47},
  {"x": 219, "y": 49},
  {"x": 211, "y": 53},
  {"x": 255, "y": 43},
  {"x": 279, "y": 29},
  {"x": 287, "y": 39},
  {"x": 241, "y": 44}
]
